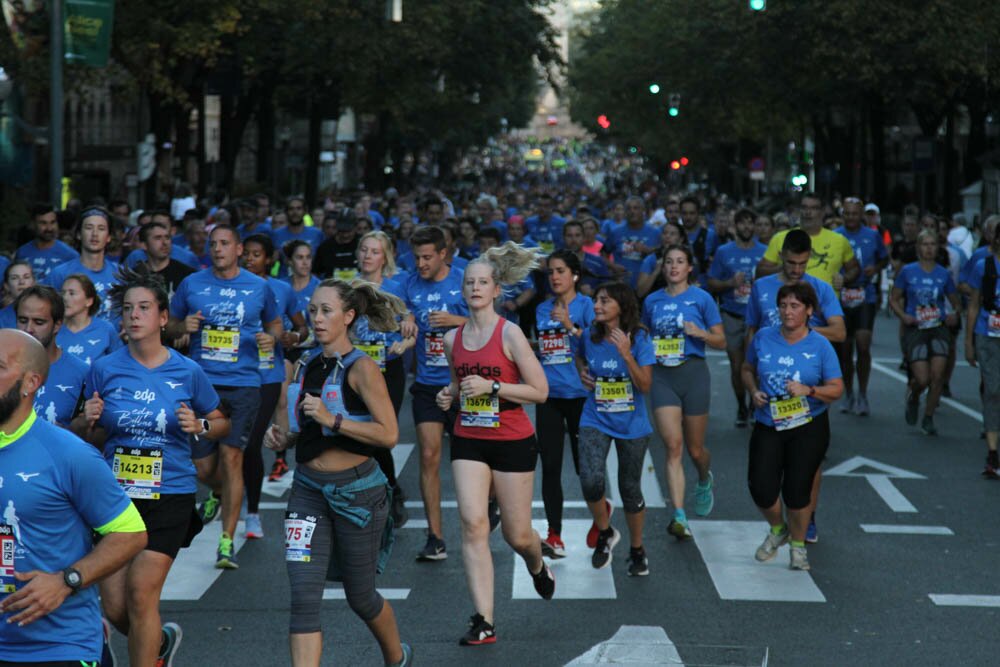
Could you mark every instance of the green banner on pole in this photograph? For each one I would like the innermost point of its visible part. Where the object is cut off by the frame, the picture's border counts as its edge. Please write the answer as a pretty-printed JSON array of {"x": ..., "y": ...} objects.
[{"x": 88, "y": 31}]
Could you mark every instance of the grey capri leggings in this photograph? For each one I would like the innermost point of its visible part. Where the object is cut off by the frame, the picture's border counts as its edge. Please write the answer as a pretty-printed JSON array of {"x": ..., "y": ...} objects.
[
  {"x": 594, "y": 447},
  {"x": 307, "y": 558},
  {"x": 988, "y": 357},
  {"x": 688, "y": 387}
]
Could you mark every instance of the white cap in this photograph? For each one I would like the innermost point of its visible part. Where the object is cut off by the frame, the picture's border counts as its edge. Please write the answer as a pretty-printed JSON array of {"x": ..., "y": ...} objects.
[{"x": 871, "y": 207}]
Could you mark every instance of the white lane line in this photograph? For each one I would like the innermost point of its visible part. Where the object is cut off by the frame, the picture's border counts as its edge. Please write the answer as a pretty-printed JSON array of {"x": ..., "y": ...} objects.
[
  {"x": 576, "y": 579},
  {"x": 273, "y": 506},
  {"x": 453, "y": 504},
  {"x": 279, "y": 488},
  {"x": 728, "y": 547},
  {"x": 400, "y": 455},
  {"x": 414, "y": 523},
  {"x": 948, "y": 600},
  {"x": 634, "y": 645},
  {"x": 336, "y": 592},
  {"x": 892, "y": 496},
  {"x": 891, "y": 529},
  {"x": 965, "y": 410},
  {"x": 194, "y": 572},
  {"x": 651, "y": 492}
]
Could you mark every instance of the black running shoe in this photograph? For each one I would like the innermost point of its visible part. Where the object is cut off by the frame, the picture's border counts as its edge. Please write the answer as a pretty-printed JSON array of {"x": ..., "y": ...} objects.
[
  {"x": 602, "y": 552},
  {"x": 545, "y": 583},
  {"x": 480, "y": 632},
  {"x": 927, "y": 426},
  {"x": 494, "y": 512},
  {"x": 638, "y": 564},
  {"x": 433, "y": 550},
  {"x": 742, "y": 414}
]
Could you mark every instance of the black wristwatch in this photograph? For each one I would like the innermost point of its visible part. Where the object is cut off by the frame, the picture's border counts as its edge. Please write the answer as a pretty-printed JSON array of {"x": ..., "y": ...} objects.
[
  {"x": 73, "y": 579},
  {"x": 496, "y": 388},
  {"x": 205, "y": 425}
]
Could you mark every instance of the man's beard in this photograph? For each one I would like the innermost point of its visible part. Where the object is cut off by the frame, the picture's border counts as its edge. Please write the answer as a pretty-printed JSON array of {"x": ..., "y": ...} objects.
[{"x": 10, "y": 401}]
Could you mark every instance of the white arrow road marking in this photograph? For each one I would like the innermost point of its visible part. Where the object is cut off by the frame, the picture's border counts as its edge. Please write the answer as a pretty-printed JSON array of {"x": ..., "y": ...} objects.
[
  {"x": 946, "y": 600},
  {"x": 576, "y": 578},
  {"x": 728, "y": 547},
  {"x": 633, "y": 645},
  {"x": 194, "y": 571},
  {"x": 881, "y": 481}
]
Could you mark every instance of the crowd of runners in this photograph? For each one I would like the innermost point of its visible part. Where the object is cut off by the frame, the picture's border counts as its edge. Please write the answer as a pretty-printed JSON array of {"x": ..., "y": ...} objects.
[{"x": 148, "y": 354}]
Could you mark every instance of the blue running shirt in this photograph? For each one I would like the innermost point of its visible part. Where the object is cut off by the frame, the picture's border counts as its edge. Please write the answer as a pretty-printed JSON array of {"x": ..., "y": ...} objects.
[
  {"x": 665, "y": 315},
  {"x": 811, "y": 361},
  {"x": 234, "y": 310},
  {"x": 422, "y": 298},
  {"x": 616, "y": 407},
  {"x": 148, "y": 452},
  {"x": 869, "y": 250},
  {"x": 56, "y": 490},
  {"x": 374, "y": 343},
  {"x": 762, "y": 308},
  {"x": 558, "y": 348},
  {"x": 59, "y": 399},
  {"x": 926, "y": 293},
  {"x": 731, "y": 259},
  {"x": 91, "y": 342},
  {"x": 103, "y": 280},
  {"x": 621, "y": 243},
  {"x": 43, "y": 261}
]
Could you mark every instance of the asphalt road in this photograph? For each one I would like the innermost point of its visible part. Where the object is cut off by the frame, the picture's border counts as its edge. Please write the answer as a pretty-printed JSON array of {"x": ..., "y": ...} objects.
[{"x": 872, "y": 597}]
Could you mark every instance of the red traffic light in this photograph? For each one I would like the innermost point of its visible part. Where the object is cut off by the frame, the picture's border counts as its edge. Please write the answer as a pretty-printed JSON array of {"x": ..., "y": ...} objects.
[
  {"x": 675, "y": 165},
  {"x": 684, "y": 162},
  {"x": 603, "y": 121}
]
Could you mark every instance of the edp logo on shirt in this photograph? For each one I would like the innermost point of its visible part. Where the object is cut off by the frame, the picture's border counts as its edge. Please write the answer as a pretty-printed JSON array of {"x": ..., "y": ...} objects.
[{"x": 145, "y": 395}]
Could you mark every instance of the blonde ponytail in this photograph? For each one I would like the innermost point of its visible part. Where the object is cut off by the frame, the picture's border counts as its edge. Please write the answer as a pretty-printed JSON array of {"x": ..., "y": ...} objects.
[{"x": 511, "y": 262}]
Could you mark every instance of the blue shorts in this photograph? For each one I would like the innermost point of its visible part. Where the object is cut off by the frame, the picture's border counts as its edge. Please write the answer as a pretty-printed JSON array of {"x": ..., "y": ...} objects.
[{"x": 242, "y": 404}]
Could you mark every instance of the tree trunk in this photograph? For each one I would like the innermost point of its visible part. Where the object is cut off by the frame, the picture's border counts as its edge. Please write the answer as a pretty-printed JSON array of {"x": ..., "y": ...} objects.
[
  {"x": 876, "y": 126},
  {"x": 265, "y": 139},
  {"x": 312, "y": 154}
]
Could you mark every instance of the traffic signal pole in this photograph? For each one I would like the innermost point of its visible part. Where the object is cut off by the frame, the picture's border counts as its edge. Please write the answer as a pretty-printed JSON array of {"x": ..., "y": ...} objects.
[{"x": 56, "y": 102}]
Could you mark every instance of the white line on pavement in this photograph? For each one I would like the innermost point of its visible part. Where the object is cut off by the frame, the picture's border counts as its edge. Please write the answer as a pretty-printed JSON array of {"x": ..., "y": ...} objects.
[
  {"x": 651, "y": 492},
  {"x": 892, "y": 496},
  {"x": 453, "y": 504},
  {"x": 635, "y": 645},
  {"x": 194, "y": 572},
  {"x": 965, "y": 410},
  {"x": 336, "y": 592},
  {"x": 728, "y": 547},
  {"x": 905, "y": 530},
  {"x": 576, "y": 578},
  {"x": 948, "y": 600}
]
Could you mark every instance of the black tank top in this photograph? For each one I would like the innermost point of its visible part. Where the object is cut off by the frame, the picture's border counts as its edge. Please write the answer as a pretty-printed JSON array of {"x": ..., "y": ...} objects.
[{"x": 311, "y": 442}]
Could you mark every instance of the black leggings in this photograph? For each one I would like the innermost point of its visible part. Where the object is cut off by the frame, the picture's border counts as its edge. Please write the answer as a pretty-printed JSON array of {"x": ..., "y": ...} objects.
[
  {"x": 253, "y": 462},
  {"x": 395, "y": 381},
  {"x": 555, "y": 418},
  {"x": 785, "y": 462}
]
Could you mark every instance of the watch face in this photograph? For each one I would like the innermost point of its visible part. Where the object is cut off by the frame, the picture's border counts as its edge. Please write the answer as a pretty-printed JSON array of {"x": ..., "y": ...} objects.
[{"x": 73, "y": 578}]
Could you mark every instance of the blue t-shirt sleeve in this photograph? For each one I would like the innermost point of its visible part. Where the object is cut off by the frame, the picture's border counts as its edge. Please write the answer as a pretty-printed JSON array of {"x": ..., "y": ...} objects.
[
  {"x": 718, "y": 268},
  {"x": 99, "y": 499},
  {"x": 710, "y": 311},
  {"x": 900, "y": 280},
  {"x": 204, "y": 397},
  {"x": 753, "y": 310},
  {"x": 178, "y": 304},
  {"x": 949, "y": 285},
  {"x": 646, "y": 318},
  {"x": 881, "y": 252},
  {"x": 643, "y": 350},
  {"x": 829, "y": 303},
  {"x": 831, "y": 365},
  {"x": 270, "y": 310},
  {"x": 751, "y": 358},
  {"x": 587, "y": 316},
  {"x": 648, "y": 263}
]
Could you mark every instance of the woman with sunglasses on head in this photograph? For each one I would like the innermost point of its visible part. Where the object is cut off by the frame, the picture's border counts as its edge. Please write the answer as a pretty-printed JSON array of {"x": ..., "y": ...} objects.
[{"x": 338, "y": 414}]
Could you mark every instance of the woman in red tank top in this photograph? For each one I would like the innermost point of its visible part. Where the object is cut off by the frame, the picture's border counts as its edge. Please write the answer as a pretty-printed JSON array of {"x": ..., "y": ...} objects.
[{"x": 493, "y": 373}]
